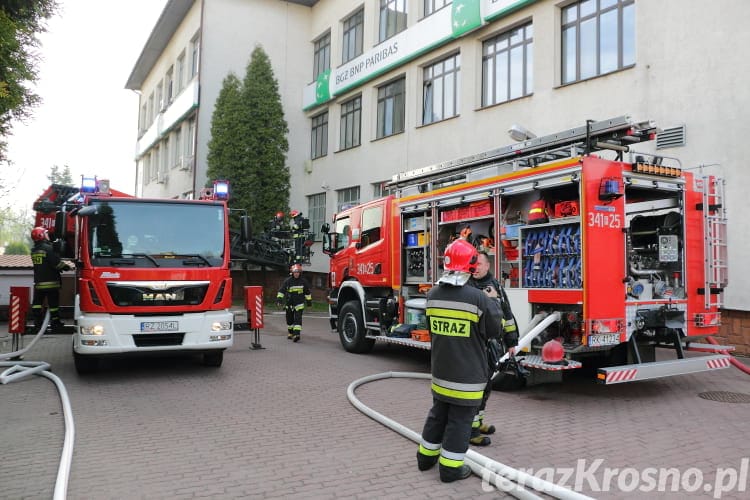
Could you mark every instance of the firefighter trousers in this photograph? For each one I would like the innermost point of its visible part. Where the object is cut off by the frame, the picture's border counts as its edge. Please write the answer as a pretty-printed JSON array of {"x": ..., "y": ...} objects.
[
  {"x": 448, "y": 428},
  {"x": 293, "y": 320},
  {"x": 52, "y": 295}
]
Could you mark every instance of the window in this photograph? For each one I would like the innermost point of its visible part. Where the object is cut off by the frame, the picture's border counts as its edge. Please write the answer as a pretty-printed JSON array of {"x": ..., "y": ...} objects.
[
  {"x": 342, "y": 230},
  {"x": 169, "y": 86},
  {"x": 319, "y": 135},
  {"x": 507, "y": 66},
  {"x": 316, "y": 210},
  {"x": 194, "y": 55},
  {"x": 151, "y": 114},
  {"x": 180, "y": 77},
  {"x": 159, "y": 102},
  {"x": 190, "y": 139},
  {"x": 142, "y": 124},
  {"x": 351, "y": 118},
  {"x": 378, "y": 189},
  {"x": 392, "y": 18},
  {"x": 147, "y": 168},
  {"x": 177, "y": 147},
  {"x": 441, "y": 88},
  {"x": 322, "y": 55},
  {"x": 352, "y": 43},
  {"x": 431, "y": 6},
  {"x": 165, "y": 152},
  {"x": 372, "y": 219},
  {"x": 391, "y": 108},
  {"x": 347, "y": 198},
  {"x": 598, "y": 37}
]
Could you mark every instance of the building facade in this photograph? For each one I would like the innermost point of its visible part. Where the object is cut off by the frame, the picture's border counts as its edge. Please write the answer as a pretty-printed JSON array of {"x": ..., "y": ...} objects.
[{"x": 371, "y": 88}]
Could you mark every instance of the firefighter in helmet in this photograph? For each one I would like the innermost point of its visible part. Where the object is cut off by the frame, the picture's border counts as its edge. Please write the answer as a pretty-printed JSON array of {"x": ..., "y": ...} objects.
[
  {"x": 294, "y": 294},
  {"x": 462, "y": 319},
  {"x": 47, "y": 269},
  {"x": 483, "y": 279}
]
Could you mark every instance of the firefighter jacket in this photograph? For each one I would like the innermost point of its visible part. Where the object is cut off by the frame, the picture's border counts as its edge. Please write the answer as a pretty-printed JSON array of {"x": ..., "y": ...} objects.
[
  {"x": 47, "y": 266},
  {"x": 461, "y": 319},
  {"x": 510, "y": 330},
  {"x": 295, "y": 292}
]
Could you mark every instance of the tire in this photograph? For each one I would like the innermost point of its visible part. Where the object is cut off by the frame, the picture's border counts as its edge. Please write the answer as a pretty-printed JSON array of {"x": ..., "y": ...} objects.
[
  {"x": 85, "y": 364},
  {"x": 213, "y": 359},
  {"x": 351, "y": 329}
]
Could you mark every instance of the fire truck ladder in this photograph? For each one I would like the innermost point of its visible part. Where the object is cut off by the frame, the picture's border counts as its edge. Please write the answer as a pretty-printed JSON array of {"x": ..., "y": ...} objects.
[
  {"x": 715, "y": 245},
  {"x": 613, "y": 134}
]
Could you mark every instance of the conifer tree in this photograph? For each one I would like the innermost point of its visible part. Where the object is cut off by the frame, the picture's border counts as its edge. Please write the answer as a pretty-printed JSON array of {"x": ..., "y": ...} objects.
[{"x": 249, "y": 143}]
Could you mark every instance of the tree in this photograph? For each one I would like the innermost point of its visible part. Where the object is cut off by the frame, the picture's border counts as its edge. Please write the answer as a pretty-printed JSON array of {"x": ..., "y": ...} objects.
[
  {"x": 20, "y": 23},
  {"x": 249, "y": 143},
  {"x": 17, "y": 248},
  {"x": 57, "y": 177}
]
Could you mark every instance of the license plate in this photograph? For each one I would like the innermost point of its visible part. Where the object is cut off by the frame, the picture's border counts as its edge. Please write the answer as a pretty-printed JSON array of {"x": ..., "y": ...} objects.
[
  {"x": 604, "y": 339},
  {"x": 159, "y": 326}
]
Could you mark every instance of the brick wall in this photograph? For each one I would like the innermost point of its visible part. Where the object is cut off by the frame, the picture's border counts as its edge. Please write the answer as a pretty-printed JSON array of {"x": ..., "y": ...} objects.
[
  {"x": 271, "y": 282},
  {"x": 735, "y": 330}
]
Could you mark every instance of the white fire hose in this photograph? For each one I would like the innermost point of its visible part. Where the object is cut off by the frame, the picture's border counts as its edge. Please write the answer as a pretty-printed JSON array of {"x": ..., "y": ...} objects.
[
  {"x": 510, "y": 480},
  {"x": 18, "y": 370}
]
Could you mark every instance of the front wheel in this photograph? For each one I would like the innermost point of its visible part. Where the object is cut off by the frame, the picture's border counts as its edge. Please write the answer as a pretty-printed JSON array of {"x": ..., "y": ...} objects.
[{"x": 352, "y": 331}]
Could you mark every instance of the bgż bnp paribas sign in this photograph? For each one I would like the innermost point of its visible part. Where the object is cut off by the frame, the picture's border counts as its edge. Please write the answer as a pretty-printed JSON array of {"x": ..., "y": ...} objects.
[{"x": 431, "y": 32}]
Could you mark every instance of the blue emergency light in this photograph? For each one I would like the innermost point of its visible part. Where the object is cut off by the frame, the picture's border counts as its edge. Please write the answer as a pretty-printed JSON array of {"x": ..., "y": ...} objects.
[
  {"x": 88, "y": 184},
  {"x": 221, "y": 190}
]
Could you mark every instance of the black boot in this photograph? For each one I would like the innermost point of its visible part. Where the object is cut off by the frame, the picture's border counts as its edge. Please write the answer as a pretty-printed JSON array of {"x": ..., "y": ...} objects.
[
  {"x": 450, "y": 474},
  {"x": 424, "y": 462}
]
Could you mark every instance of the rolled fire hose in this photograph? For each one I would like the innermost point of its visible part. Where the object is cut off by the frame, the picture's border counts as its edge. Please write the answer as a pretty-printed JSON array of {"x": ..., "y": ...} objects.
[{"x": 21, "y": 369}]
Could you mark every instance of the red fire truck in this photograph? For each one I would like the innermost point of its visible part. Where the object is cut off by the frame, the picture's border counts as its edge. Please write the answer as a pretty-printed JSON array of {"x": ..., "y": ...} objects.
[
  {"x": 151, "y": 275},
  {"x": 611, "y": 251}
]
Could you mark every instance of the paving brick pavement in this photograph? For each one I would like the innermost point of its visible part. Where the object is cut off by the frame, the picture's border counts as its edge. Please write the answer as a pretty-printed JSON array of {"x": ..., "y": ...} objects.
[{"x": 276, "y": 423}]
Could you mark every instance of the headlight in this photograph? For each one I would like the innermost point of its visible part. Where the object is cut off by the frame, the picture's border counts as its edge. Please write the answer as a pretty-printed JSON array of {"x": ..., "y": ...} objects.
[
  {"x": 92, "y": 330},
  {"x": 218, "y": 326}
]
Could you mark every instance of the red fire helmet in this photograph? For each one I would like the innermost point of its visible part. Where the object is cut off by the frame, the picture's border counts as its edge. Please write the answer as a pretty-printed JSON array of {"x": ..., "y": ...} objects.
[
  {"x": 38, "y": 234},
  {"x": 552, "y": 351},
  {"x": 461, "y": 256}
]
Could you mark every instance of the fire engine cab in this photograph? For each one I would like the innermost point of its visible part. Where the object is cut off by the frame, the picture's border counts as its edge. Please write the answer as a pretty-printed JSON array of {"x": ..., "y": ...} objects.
[{"x": 611, "y": 251}]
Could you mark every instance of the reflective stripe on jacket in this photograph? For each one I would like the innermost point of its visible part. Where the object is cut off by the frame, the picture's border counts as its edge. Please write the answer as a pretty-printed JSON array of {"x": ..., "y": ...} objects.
[{"x": 461, "y": 319}]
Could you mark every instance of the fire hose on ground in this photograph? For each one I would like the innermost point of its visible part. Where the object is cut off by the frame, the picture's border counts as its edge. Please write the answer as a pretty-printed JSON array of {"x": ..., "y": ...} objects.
[
  {"x": 18, "y": 370},
  {"x": 510, "y": 480},
  {"x": 732, "y": 359}
]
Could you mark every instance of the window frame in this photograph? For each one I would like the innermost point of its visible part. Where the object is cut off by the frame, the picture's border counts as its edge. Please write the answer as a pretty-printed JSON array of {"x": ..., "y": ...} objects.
[
  {"x": 350, "y": 124},
  {"x": 429, "y": 6},
  {"x": 429, "y": 79},
  {"x": 353, "y": 33},
  {"x": 315, "y": 204},
  {"x": 345, "y": 198},
  {"x": 392, "y": 21},
  {"x": 319, "y": 135},
  {"x": 490, "y": 62},
  {"x": 392, "y": 98},
  {"x": 574, "y": 26},
  {"x": 321, "y": 54},
  {"x": 195, "y": 50}
]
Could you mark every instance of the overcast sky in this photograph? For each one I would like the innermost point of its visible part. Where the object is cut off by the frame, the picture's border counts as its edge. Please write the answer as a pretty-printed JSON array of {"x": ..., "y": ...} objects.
[{"x": 88, "y": 120}]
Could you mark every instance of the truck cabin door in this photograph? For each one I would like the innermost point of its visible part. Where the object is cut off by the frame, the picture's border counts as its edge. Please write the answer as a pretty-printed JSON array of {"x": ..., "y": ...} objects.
[{"x": 370, "y": 260}]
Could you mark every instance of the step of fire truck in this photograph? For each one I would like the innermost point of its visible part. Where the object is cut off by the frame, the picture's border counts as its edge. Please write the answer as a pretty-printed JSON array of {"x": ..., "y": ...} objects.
[
  {"x": 614, "y": 134},
  {"x": 536, "y": 362},
  {"x": 658, "y": 369},
  {"x": 400, "y": 341}
]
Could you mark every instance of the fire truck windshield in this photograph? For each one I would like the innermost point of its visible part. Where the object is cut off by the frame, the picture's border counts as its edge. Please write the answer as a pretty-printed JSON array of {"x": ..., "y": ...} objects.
[{"x": 138, "y": 233}]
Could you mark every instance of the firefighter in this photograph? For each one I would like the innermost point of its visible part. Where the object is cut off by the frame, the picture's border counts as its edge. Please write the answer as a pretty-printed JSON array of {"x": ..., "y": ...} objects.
[
  {"x": 461, "y": 320},
  {"x": 485, "y": 281},
  {"x": 47, "y": 269},
  {"x": 295, "y": 294}
]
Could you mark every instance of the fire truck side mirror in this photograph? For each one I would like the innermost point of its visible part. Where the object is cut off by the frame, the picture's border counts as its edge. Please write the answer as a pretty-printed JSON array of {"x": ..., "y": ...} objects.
[
  {"x": 328, "y": 239},
  {"x": 246, "y": 228}
]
